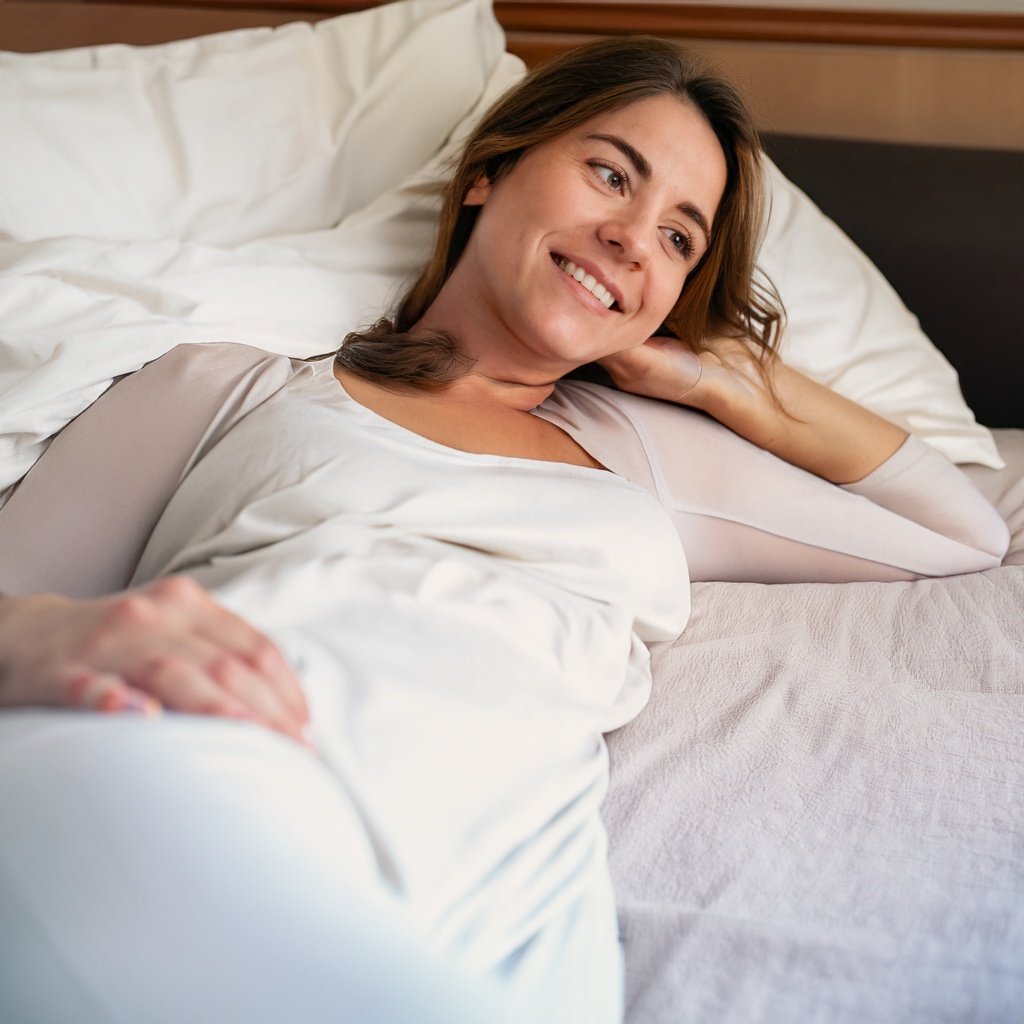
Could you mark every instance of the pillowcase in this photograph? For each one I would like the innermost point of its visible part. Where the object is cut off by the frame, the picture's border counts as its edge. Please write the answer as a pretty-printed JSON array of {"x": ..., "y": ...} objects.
[
  {"x": 239, "y": 135},
  {"x": 847, "y": 328},
  {"x": 77, "y": 312},
  {"x": 330, "y": 140}
]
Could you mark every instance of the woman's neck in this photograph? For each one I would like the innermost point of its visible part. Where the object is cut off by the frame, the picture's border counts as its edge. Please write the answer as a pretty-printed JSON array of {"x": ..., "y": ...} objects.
[
  {"x": 504, "y": 371},
  {"x": 477, "y": 386}
]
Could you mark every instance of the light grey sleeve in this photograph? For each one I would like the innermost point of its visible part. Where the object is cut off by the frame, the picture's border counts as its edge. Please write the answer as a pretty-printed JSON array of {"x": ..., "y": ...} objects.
[
  {"x": 920, "y": 484},
  {"x": 744, "y": 515},
  {"x": 79, "y": 519}
]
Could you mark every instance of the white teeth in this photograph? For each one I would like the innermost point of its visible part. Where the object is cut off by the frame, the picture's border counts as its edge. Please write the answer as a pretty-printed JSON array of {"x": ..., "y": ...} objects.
[{"x": 589, "y": 282}]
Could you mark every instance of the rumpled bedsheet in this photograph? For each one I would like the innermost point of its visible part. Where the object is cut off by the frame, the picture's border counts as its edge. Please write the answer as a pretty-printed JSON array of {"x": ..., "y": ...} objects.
[{"x": 820, "y": 815}]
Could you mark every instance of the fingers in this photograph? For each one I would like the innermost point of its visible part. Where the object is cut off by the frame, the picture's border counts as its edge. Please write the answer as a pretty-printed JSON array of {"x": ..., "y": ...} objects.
[
  {"x": 683, "y": 364},
  {"x": 240, "y": 659},
  {"x": 181, "y": 682},
  {"x": 105, "y": 691},
  {"x": 664, "y": 368},
  {"x": 241, "y": 642},
  {"x": 172, "y": 641}
]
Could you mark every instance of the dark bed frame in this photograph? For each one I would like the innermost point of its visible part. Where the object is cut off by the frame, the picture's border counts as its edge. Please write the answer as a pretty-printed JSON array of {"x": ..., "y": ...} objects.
[{"x": 945, "y": 225}]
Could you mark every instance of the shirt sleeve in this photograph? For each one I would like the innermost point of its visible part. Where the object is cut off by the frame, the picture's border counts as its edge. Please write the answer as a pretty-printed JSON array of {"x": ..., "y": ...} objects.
[
  {"x": 78, "y": 521},
  {"x": 920, "y": 484},
  {"x": 745, "y": 515}
]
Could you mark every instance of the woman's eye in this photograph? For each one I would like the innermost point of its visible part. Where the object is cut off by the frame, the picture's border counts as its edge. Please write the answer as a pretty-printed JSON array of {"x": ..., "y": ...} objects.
[
  {"x": 613, "y": 178},
  {"x": 682, "y": 242}
]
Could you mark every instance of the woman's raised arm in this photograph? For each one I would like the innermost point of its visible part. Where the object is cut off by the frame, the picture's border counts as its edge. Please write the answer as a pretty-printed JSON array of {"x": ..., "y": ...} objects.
[{"x": 764, "y": 400}]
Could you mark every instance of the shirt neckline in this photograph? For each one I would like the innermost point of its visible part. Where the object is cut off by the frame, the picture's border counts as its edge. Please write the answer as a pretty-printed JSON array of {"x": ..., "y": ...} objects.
[{"x": 325, "y": 368}]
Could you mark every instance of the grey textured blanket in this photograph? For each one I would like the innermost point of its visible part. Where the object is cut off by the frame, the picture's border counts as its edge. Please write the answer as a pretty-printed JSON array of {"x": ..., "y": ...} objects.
[{"x": 820, "y": 816}]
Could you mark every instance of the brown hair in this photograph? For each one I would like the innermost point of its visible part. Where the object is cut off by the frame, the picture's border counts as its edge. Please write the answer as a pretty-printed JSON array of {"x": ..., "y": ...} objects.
[{"x": 721, "y": 294}]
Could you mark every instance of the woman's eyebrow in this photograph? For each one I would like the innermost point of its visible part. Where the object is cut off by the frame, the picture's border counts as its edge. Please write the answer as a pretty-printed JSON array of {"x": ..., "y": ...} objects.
[
  {"x": 631, "y": 153},
  {"x": 643, "y": 168}
]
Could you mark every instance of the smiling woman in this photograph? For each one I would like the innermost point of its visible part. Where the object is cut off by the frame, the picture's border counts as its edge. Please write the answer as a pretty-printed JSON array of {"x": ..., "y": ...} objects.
[
  {"x": 635, "y": 234},
  {"x": 631, "y": 138}
]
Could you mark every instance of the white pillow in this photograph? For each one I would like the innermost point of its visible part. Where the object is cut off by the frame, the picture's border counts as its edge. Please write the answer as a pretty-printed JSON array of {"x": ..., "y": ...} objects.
[
  {"x": 76, "y": 312},
  {"x": 239, "y": 135},
  {"x": 847, "y": 328}
]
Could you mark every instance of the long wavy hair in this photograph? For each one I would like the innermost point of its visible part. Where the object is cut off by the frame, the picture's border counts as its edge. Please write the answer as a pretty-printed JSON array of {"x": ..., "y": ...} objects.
[{"x": 721, "y": 295}]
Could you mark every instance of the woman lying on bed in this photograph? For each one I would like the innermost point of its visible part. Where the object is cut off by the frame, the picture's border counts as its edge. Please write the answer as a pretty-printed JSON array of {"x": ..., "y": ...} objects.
[{"x": 457, "y": 551}]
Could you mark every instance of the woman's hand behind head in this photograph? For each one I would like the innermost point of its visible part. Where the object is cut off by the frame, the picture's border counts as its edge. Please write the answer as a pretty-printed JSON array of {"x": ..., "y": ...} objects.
[{"x": 662, "y": 368}]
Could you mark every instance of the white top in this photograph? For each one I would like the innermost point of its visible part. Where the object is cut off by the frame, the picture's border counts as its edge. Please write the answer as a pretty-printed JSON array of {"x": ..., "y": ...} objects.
[
  {"x": 466, "y": 627},
  {"x": 79, "y": 520}
]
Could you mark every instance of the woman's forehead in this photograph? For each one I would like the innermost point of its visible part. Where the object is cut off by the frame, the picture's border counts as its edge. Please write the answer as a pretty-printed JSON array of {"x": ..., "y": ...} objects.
[
  {"x": 662, "y": 114},
  {"x": 658, "y": 136}
]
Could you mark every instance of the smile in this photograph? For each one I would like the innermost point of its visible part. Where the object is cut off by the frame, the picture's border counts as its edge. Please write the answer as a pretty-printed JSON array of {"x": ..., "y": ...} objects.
[{"x": 588, "y": 281}]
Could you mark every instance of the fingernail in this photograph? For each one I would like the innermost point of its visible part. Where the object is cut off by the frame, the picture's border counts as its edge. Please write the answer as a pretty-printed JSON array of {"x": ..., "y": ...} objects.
[
  {"x": 306, "y": 732},
  {"x": 135, "y": 702},
  {"x": 242, "y": 715}
]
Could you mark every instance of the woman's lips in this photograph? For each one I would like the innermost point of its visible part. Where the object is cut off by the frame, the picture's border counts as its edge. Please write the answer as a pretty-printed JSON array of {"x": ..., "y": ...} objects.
[{"x": 588, "y": 281}]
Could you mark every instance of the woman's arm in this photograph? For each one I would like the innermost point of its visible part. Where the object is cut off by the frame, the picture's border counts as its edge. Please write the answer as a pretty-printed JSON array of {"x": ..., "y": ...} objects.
[
  {"x": 70, "y": 538},
  {"x": 750, "y": 514},
  {"x": 168, "y": 644},
  {"x": 764, "y": 400}
]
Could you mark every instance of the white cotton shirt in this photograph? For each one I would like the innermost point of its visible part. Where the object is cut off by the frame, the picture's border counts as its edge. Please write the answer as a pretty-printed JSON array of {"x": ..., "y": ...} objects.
[{"x": 466, "y": 627}]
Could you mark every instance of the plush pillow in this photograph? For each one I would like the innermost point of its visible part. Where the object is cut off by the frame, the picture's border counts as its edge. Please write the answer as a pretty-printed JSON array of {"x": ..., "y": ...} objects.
[
  {"x": 847, "y": 328},
  {"x": 239, "y": 135},
  {"x": 325, "y": 141},
  {"x": 77, "y": 312}
]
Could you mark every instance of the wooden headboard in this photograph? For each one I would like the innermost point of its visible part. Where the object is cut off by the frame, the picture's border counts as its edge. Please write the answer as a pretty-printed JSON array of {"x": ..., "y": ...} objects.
[
  {"x": 933, "y": 78},
  {"x": 905, "y": 127}
]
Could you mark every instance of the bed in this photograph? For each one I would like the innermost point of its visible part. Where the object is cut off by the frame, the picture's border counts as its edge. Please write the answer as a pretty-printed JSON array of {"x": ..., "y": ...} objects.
[{"x": 820, "y": 814}]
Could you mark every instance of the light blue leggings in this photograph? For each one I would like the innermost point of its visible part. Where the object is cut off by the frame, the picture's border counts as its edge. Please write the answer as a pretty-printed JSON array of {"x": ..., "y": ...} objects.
[{"x": 267, "y": 909}]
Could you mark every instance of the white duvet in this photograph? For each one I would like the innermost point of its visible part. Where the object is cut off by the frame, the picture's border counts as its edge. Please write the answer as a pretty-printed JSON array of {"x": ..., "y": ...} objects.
[{"x": 75, "y": 313}]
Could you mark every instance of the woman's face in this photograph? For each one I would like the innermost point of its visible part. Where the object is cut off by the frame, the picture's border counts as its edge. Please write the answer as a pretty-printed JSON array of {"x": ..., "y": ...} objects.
[{"x": 626, "y": 202}]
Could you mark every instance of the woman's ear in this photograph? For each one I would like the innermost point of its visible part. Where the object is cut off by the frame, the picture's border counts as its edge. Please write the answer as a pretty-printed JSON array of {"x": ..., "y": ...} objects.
[{"x": 478, "y": 193}]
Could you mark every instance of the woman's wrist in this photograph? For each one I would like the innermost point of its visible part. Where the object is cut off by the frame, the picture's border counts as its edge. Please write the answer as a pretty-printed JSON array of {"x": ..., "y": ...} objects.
[
  {"x": 22, "y": 652},
  {"x": 661, "y": 368}
]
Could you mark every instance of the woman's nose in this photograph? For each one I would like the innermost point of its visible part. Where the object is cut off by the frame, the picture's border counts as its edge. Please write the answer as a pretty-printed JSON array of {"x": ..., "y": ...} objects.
[{"x": 628, "y": 236}]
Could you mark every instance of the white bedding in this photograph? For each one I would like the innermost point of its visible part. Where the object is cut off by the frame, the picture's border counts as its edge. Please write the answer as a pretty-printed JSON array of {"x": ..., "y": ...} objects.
[
  {"x": 76, "y": 312},
  {"x": 820, "y": 815}
]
